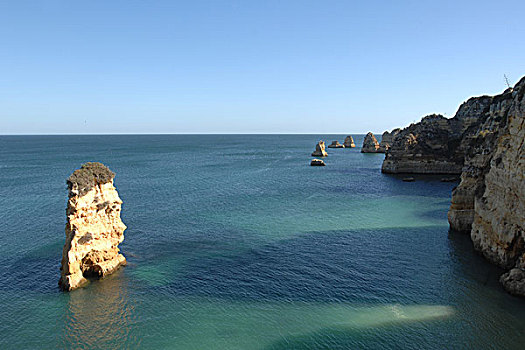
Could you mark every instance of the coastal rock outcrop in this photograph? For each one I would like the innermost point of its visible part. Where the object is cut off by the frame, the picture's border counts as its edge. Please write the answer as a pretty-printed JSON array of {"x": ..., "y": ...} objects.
[
  {"x": 498, "y": 226},
  {"x": 93, "y": 229},
  {"x": 485, "y": 143},
  {"x": 479, "y": 146},
  {"x": 437, "y": 145},
  {"x": 514, "y": 281},
  {"x": 387, "y": 139},
  {"x": 349, "y": 142},
  {"x": 319, "y": 150},
  {"x": 370, "y": 144},
  {"x": 335, "y": 144},
  {"x": 317, "y": 162}
]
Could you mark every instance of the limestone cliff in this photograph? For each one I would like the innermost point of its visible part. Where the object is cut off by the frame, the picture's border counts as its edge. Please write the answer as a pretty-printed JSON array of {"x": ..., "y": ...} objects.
[
  {"x": 349, "y": 142},
  {"x": 437, "y": 145},
  {"x": 93, "y": 229},
  {"x": 370, "y": 144},
  {"x": 498, "y": 226},
  {"x": 319, "y": 150},
  {"x": 485, "y": 143},
  {"x": 479, "y": 147}
]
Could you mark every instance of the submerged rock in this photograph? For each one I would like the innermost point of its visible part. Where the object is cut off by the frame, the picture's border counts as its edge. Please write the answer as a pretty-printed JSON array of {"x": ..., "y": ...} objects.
[
  {"x": 317, "y": 162},
  {"x": 335, "y": 144},
  {"x": 93, "y": 229},
  {"x": 319, "y": 150},
  {"x": 370, "y": 144},
  {"x": 349, "y": 142}
]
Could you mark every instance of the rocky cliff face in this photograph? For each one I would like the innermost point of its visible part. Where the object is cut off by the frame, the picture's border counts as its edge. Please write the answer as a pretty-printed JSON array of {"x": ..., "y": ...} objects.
[
  {"x": 437, "y": 145},
  {"x": 370, "y": 144},
  {"x": 93, "y": 229},
  {"x": 319, "y": 150},
  {"x": 498, "y": 226},
  {"x": 485, "y": 142},
  {"x": 387, "y": 139},
  {"x": 479, "y": 146}
]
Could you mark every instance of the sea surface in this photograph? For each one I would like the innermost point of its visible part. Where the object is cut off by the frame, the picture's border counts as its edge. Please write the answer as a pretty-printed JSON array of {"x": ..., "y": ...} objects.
[{"x": 235, "y": 242}]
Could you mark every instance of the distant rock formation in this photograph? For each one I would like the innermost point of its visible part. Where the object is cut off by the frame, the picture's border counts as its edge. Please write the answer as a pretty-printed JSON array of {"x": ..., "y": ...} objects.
[
  {"x": 319, "y": 150},
  {"x": 317, "y": 162},
  {"x": 94, "y": 228},
  {"x": 387, "y": 139},
  {"x": 335, "y": 144},
  {"x": 485, "y": 143},
  {"x": 349, "y": 142},
  {"x": 370, "y": 144}
]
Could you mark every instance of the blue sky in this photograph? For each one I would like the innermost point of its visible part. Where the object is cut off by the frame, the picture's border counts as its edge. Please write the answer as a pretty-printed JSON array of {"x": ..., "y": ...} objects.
[{"x": 249, "y": 66}]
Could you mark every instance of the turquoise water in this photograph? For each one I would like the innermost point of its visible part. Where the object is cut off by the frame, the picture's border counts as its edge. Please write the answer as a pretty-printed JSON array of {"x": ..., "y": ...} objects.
[{"x": 235, "y": 242}]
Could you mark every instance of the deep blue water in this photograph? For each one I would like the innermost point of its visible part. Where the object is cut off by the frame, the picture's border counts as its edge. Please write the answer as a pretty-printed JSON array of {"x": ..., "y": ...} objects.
[{"x": 235, "y": 242}]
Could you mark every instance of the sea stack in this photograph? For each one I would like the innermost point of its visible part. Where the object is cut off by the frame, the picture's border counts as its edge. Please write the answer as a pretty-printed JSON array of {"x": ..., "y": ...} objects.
[
  {"x": 335, "y": 144},
  {"x": 387, "y": 139},
  {"x": 319, "y": 150},
  {"x": 349, "y": 142},
  {"x": 93, "y": 229},
  {"x": 370, "y": 144}
]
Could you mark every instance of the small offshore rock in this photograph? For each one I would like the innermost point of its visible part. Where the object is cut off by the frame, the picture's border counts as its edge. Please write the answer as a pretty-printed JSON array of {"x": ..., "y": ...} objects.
[
  {"x": 335, "y": 144},
  {"x": 317, "y": 162},
  {"x": 349, "y": 142},
  {"x": 319, "y": 150},
  {"x": 409, "y": 179},
  {"x": 370, "y": 144},
  {"x": 514, "y": 282}
]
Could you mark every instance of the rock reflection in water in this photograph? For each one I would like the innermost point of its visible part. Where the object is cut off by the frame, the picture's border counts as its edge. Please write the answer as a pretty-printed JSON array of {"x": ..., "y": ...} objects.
[{"x": 100, "y": 315}]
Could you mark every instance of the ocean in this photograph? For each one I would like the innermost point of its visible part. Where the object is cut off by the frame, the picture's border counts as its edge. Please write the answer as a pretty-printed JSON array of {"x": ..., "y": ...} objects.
[{"x": 235, "y": 242}]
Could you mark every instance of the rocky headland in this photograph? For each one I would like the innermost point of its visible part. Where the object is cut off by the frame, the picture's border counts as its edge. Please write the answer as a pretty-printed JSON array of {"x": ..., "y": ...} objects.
[
  {"x": 93, "y": 229},
  {"x": 349, "y": 142},
  {"x": 319, "y": 150},
  {"x": 485, "y": 143},
  {"x": 370, "y": 144}
]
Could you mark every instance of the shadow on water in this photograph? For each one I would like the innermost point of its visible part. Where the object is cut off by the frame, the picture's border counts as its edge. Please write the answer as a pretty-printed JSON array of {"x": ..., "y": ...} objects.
[{"x": 327, "y": 266}]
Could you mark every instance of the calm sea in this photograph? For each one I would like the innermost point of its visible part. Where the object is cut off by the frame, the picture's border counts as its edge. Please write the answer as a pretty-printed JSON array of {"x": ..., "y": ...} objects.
[{"x": 235, "y": 242}]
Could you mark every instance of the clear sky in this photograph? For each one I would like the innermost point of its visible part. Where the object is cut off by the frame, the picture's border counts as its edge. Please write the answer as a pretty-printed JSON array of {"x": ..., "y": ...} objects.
[{"x": 249, "y": 66}]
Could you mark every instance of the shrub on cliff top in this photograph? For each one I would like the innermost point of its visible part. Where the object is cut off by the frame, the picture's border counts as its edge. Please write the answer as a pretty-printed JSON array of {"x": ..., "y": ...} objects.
[{"x": 89, "y": 175}]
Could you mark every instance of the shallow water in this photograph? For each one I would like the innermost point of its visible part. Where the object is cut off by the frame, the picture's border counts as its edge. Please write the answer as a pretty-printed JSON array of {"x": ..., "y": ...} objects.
[{"x": 235, "y": 242}]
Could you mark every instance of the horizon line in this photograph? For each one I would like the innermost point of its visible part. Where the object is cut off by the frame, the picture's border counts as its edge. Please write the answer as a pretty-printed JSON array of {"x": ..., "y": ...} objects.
[{"x": 189, "y": 133}]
